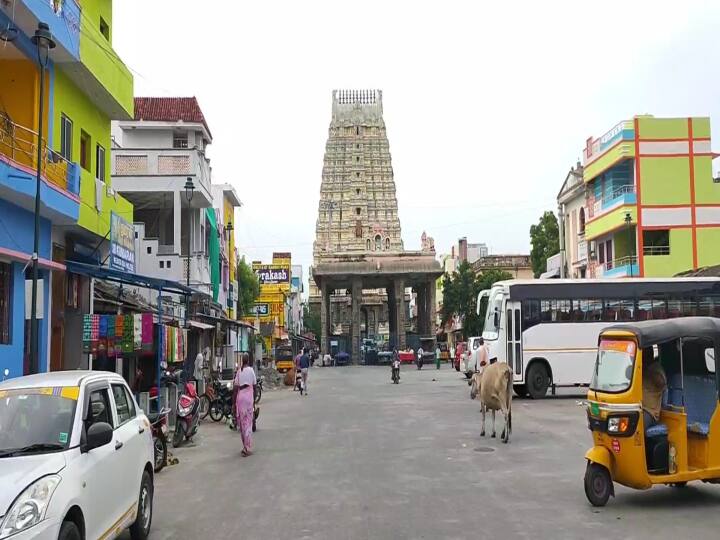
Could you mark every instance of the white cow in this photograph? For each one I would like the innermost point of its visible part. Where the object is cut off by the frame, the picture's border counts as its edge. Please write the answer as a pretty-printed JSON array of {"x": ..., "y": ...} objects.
[{"x": 493, "y": 387}]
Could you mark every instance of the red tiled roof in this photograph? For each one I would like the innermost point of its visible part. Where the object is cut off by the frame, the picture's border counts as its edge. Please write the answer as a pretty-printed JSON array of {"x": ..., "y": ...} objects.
[{"x": 170, "y": 109}]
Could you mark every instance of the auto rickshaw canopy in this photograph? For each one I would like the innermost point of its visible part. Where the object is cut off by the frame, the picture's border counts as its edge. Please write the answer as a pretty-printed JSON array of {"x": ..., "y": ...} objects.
[{"x": 649, "y": 333}]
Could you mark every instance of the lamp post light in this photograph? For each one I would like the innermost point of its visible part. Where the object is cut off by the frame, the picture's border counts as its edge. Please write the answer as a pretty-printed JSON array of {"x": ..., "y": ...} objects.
[
  {"x": 44, "y": 42},
  {"x": 229, "y": 230},
  {"x": 189, "y": 192},
  {"x": 628, "y": 222}
]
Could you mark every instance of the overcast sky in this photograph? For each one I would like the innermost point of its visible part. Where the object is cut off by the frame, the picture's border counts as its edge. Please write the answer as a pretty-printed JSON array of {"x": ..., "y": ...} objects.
[{"x": 487, "y": 105}]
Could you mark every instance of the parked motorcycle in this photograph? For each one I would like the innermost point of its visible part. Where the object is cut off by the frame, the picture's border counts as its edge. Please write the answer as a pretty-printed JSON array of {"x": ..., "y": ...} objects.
[
  {"x": 419, "y": 362},
  {"x": 395, "y": 374},
  {"x": 221, "y": 406},
  {"x": 188, "y": 414},
  {"x": 159, "y": 426}
]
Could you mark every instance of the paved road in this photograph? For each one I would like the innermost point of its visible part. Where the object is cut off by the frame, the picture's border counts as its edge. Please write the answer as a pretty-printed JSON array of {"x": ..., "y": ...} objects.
[{"x": 360, "y": 458}]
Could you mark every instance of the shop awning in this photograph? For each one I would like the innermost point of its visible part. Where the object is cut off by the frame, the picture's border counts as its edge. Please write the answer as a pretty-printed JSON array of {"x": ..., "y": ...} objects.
[
  {"x": 201, "y": 325},
  {"x": 117, "y": 276}
]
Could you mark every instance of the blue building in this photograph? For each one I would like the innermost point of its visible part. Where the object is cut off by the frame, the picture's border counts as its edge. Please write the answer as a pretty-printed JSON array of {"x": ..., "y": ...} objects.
[{"x": 60, "y": 201}]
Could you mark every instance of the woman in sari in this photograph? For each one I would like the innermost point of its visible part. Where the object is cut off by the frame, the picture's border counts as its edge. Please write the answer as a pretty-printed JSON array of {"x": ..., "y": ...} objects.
[{"x": 245, "y": 396}]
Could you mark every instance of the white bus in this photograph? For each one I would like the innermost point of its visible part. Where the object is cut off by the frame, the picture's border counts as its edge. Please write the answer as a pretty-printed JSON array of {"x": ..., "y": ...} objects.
[{"x": 547, "y": 330}]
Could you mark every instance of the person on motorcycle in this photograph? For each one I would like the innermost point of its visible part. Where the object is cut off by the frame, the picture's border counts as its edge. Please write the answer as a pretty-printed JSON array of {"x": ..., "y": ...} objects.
[
  {"x": 420, "y": 353},
  {"x": 395, "y": 365}
]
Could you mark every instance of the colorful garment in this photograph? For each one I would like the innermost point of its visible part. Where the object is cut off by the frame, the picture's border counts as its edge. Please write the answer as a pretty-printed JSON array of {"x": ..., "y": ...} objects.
[
  {"x": 244, "y": 405},
  {"x": 137, "y": 331},
  {"x": 147, "y": 332},
  {"x": 127, "y": 336}
]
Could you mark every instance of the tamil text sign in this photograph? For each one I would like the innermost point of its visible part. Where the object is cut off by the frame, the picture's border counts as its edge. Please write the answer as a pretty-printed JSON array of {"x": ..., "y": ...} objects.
[
  {"x": 122, "y": 244},
  {"x": 273, "y": 274}
]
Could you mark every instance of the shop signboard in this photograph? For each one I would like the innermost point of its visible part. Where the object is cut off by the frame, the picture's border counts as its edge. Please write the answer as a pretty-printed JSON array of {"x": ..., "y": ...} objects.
[
  {"x": 273, "y": 274},
  {"x": 260, "y": 309},
  {"x": 122, "y": 244}
]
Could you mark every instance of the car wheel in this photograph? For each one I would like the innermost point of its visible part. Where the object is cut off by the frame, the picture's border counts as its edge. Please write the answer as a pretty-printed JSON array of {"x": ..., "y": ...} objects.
[
  {"x": 69, "y": 531},
  {"x": 520, "y": 390},
  {"x": 141, "y": 528},
  {"x": 537, "y": 380},
  {"x": 598, "y": 484}
]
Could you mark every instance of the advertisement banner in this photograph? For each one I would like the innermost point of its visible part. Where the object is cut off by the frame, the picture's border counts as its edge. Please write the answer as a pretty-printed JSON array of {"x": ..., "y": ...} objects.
[
  {"x": 122, "y": 244},
  {"x": 272, "y": 274},
  {"x": 260, "y": 309}
]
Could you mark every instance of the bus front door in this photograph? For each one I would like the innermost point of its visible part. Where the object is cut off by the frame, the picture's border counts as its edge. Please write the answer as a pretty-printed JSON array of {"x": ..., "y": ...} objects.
[{"x": 514, "y": 337}]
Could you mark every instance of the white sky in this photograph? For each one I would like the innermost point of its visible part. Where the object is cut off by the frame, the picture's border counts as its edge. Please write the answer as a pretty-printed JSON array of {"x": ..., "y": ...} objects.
[{"x": 487, "y": 104}]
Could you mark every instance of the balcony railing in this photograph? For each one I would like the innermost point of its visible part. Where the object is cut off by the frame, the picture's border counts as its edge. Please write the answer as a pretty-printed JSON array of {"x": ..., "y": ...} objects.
[
  {"x": 615, "y": 195},
  {"x": 618, "y": 263},
  {"x": 656, "y": 250},
  {"x": 162, "y": 162},
  {"x": 19, "y": 144}
]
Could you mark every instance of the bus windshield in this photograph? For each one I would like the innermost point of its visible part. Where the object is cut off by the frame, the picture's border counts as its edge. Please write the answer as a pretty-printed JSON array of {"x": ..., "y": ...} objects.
[
  {"x": 492, "y": 324},
  {"x": 614, "y": 366}
]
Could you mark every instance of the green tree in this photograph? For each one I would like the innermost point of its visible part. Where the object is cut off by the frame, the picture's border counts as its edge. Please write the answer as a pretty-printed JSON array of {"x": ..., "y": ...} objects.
[
  {"x": 545, "y": 241},
  {"x": 248, "y": 285},
  {"x": 311, "y": 321},
  {"x": 460, "y": 292}
]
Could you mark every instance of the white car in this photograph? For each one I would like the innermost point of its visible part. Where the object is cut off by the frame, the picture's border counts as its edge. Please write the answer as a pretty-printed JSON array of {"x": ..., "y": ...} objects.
[
  {"x": 76, "y": 458},
  {"x": 470, "y": 359}
]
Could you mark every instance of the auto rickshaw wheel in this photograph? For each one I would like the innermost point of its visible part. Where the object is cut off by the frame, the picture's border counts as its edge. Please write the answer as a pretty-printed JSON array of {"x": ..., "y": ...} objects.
[
  {"x": 678, "y": 484},
  {"x": 598, "y": 484}
]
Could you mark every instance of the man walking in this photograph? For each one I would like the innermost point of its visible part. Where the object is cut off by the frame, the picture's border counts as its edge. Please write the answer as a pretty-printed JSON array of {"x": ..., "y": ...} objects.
[{"x": 304, "y": 367}]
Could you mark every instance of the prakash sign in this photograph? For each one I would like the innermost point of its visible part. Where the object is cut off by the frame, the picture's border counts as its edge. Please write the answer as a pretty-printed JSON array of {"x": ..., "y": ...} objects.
[
  {"x": 122, "y": 244},
  {"x": 273, "y": 274}
]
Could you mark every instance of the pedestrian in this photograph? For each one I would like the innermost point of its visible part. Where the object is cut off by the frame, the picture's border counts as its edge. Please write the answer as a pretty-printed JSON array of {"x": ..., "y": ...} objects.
[
  {"x": 304, "y": 368},
  {"x": 482, "y": 357},
  {"x": 244, "y": 385},
  {"x": 327, "y": 361}
]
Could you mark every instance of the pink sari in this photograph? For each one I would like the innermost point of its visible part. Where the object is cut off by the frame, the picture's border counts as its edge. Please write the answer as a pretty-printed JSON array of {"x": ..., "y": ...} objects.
[
  {"x": 244, "y": 415},
  {"x": 244, "y": 406}
]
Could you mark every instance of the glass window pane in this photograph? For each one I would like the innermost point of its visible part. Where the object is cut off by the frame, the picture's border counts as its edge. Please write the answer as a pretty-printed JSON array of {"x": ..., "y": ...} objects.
[{"x": 121, "y": 404}]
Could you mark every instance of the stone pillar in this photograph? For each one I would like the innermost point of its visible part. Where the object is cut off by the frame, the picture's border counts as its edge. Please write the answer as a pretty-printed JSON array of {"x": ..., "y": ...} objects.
[
  {"x": 324, "y": 319},
  {"x": 392, "y": 324},
  {"x": 356, "y": 292},
  {"x": 420, "y": 304},
  {"x": 400, "y": 312},
  {"x": 431, "y": 315}
]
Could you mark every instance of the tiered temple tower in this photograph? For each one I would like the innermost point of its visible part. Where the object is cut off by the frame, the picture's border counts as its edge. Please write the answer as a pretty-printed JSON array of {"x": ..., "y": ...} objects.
[
  {"x": 357, "y": 211},
  {"x": 362, "y": 275}
]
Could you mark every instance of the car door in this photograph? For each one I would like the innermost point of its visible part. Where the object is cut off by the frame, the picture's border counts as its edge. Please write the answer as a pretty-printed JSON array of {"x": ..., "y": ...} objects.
[
  {"x": 131, "y": 439},
  {"x": 99, "y": 470}
]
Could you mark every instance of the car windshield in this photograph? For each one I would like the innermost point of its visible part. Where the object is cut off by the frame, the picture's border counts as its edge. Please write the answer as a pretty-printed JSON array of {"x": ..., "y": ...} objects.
[
  {"x": 284, "y": 354},
  {"x": 614, "y": 366},
  {"x": 36, "y": 420},
  {"x": 490, "y": 330}
]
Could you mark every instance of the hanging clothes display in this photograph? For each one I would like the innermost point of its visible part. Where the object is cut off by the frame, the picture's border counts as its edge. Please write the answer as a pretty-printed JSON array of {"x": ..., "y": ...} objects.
[{"x": 148, "y": 336}]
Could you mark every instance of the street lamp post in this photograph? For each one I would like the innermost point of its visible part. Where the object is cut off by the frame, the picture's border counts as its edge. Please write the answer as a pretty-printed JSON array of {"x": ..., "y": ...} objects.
[
  {"x": 189, "y": 192},
  {"x": 628, "y": 222},
  {"x": 44, "y": 42}
]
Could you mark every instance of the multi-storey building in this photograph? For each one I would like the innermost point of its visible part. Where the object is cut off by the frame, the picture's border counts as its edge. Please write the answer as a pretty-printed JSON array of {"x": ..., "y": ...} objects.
[
  {"x": 225, "y": 201},
  {"x": 653, "y": 207},
  {"x": 85, "y": 86},
  {"x": 154, "y": 156}
]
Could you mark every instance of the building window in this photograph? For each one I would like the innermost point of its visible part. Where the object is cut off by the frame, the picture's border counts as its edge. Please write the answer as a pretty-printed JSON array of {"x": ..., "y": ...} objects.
[
  {"x": 149, "y": 250},
  {"x": 357, "y": 158},
  {"x": 582, "y": 220},
  {"x": 367, "y": 245},
  {"x": 357, "y": 211},
  {"x": 378, "y": 243},
  {"x": 180, "y": 140},
  {"x": 162, "y": 264},
  {"x": 104, "y": 29},
  {"x": 66, "y": 126},
  {"x": 357, "y": 130},
  {"x": 85, "y": 150},
  {"x": 387, "y": 244},
  {"x": 100, "y": 163},
  {"x": 656, "y": 242},
  {"x": 357, "y": 191},
  {"x": 168, "y": 264},
  {"x": 5, "y": 296}
]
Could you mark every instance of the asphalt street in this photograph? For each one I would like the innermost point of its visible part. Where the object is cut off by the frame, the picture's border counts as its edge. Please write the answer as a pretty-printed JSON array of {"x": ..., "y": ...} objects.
[{"x": 361, "y": 458}]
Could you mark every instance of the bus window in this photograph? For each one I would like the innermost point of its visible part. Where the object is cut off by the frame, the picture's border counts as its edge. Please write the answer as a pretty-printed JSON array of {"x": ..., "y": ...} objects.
[
  {"x": 590, "y": 310},
  {"x": 618, "y": 310},
  {"x": 644, "y": 310},
  {"x": 709, "y": 306},
  {"x": 530, "y": 313},
  {"x": 659, "y": 309}
]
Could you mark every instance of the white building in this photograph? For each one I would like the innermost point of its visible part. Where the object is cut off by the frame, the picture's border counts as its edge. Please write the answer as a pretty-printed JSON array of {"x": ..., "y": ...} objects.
[
  {"x": 154, "y": 157},
  {"x": 294, "y": 315},
  {"x": 572, "y": 212}
]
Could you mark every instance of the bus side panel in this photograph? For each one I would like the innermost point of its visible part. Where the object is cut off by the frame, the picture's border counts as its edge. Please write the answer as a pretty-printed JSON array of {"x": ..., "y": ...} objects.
[{"x": 569, "y": 348}]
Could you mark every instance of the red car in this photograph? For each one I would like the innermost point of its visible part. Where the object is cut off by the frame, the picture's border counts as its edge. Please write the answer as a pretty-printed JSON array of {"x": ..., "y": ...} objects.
[{"x": 406, "y": 357}]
